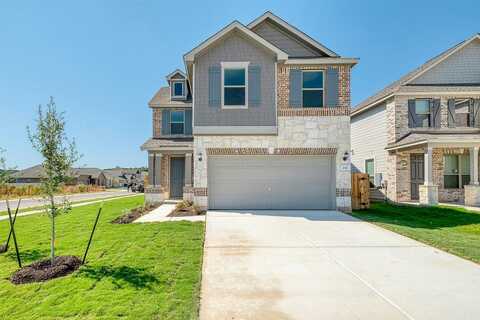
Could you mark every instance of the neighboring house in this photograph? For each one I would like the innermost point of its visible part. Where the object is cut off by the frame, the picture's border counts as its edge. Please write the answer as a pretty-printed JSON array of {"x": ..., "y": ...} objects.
[
  {"x": 270, "y": 126},
  {"x": 420, "y": 136},
  {"x": 86, "y": 176}
]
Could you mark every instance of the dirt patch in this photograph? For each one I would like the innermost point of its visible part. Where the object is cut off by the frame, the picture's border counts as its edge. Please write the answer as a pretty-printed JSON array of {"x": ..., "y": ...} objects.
[
  {"x": 42, "y": 270},
  {"x": 134, "y": 214},
  {"x": 186, "y": 209}
]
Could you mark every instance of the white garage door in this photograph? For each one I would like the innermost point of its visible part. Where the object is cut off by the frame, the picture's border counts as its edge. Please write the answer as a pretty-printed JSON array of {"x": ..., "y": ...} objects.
[{"x": 271, "y": 182}]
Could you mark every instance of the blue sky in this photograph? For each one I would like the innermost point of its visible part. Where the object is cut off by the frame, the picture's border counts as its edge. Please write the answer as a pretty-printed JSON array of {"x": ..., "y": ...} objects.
[{"x": 103, "y": 60}]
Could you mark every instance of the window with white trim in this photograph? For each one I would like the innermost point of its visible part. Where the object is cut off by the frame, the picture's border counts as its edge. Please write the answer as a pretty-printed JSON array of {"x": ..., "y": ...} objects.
[
  {"x": 370, "y": 170},
  {"x": 178, "y": 89},
  {"x": 456, "y": 172},
  {"x": 312, "y": 89},
  {"x": 422, "y": 111},
  {"x": 234, "y": 85},
  {"x": 177, "y": 122}
]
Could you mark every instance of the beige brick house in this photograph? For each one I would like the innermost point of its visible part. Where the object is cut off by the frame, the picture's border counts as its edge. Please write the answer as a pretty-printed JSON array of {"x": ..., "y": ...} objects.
[
  {"x": 265, "y": 111},
  {"x": 419, "y": 138}
]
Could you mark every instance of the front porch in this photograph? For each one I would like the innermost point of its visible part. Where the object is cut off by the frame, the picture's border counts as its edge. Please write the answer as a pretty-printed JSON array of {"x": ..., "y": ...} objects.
[
  {"x": 170, "y": 170},
  {"x": 435, "y": 169}
]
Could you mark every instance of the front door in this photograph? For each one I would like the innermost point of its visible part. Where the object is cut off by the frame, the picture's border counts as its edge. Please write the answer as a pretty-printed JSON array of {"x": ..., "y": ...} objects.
[
  {"x": 417, "y": 174},
  {"x": 177, "y": 176}
]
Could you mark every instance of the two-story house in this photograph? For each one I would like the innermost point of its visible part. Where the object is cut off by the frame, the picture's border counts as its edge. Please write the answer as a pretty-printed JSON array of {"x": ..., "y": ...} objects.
[
  {"x": 270, "y": 127},
  {"x": 419, "y": 137}
]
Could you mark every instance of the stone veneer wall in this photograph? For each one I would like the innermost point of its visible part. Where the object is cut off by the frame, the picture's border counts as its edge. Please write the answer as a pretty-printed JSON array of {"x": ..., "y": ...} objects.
[{"x": 308, "y": 132}]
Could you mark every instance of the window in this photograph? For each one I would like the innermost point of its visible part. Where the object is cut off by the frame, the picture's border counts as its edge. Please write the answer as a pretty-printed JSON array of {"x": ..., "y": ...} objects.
[
  {"x": 312, "y": 89},
  {"x": 178, "y": 89},
  {"x": 370, "y": 170},
  {"x": 422, "y": 110},
  {"x": 462, "y": 112},
  {"x": 234, "y": 79},
  {"x": 456, "y": 171},
  {"x": 177, "y": 122}
]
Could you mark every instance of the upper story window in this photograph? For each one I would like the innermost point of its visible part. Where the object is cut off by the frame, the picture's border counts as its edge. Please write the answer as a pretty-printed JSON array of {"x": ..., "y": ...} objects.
[
  {"x": 234, "y": 85},
  {"x": 312, "y": 89},
  {"x": 178, "y": 89},
  {"x": 177, "y": 122},
  {"x": 462, "y": 112},
  {"x": 422, "y": 111}
]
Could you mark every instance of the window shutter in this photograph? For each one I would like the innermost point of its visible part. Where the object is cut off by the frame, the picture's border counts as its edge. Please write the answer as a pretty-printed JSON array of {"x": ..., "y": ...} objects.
[
  {"x": 476, "y": 115},
  {"x": 451, "y": 113},
  {"x": 214, "y": 86},
  {"x": 331, "y": 89},
  {"x": 254, "y": 86},
  {"x": 165, "y": 122},
  {"x": 412, "y": 117},
  {"x": 435, "y": 113},
  {"x": 295, "y": 88},
  {"x": 188, "y": 122}
]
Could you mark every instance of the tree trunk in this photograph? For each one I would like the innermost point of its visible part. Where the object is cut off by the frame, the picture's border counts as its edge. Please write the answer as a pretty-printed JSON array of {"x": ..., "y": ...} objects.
[{"x": 52, "y": 240}]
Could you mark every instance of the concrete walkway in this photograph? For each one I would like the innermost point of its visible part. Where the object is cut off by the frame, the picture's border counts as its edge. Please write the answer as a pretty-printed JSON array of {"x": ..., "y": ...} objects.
[
  {"x": 161, "y": 213},
  {"x": 328, "y": 265},
  {"x": 74, "y": 205}
]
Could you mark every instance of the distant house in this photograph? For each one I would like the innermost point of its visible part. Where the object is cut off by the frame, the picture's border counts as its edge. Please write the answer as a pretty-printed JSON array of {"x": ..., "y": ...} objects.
[{"x": 85, "y": 176}]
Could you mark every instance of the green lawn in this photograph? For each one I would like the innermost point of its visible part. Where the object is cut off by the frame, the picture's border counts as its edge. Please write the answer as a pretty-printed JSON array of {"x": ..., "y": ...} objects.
[
  {"x": 451, "y": 229},
  {"x": 136, "y": 271}
]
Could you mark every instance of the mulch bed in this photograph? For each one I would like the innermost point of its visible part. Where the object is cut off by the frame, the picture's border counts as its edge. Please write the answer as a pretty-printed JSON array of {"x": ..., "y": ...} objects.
[
  {"x": 186, "y": 212},
  {"x": 134, "y": 214},
  {"x": 42, "y": 270}
]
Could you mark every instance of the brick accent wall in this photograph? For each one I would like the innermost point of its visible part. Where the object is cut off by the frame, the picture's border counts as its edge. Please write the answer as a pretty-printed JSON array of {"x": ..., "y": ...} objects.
[
  {"x": 275, "y": 151},
  {"x": 319, "y": 112},
  {"x": 157, "y": 122},
  {"x": 283, "y": 83},
  {"x": 165, "y": 173}
]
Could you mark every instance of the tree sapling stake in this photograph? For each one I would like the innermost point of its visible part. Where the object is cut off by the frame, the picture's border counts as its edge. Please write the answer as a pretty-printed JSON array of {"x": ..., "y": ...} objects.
[
  {"x": 13, "y": 234},
  {"x": 91, "y": 235}
]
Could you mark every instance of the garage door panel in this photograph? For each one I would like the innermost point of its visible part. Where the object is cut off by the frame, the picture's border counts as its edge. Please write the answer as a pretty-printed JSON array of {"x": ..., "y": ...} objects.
[{"x": 271, "y": 182}]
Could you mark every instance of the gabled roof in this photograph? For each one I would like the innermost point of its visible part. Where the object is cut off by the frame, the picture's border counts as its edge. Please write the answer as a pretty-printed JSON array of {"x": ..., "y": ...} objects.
[
  {"x": 389, "y": 90},
  {"x": 177, "y": 71},
  {"x": 304, "y": 37},
  {"x": 235, "y": 25},
  {"x": 162, "y": 98}
]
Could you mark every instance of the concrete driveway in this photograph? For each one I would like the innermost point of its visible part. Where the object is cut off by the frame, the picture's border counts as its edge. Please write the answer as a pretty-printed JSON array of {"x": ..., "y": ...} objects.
[{"x": 328, "y": 265}]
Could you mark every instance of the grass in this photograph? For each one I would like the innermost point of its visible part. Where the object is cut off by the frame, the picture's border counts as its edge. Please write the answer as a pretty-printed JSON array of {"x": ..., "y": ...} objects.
[
  {"x": 13, "y": 205},
  {"x": 451, "y": 229},
  {"x": 134, "y": 271}
]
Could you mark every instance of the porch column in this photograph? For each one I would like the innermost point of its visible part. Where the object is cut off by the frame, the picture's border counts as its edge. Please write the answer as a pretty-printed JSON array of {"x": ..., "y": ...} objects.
[
  {"x": 428, "y": 163},
  {"x": 428, "y": 191},
  {"x": 474, "y": 166},
  {"x": 151, "y": 169},
  {"x": 158, "y": 169},
  {"x": 472, "y": 191},
  {"x": 188, "y": 169}
]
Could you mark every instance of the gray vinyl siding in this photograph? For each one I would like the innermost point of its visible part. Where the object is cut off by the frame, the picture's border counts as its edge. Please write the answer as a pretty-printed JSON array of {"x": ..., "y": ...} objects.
[
  {"x": 284, "y": 41},
  {"x": 235, "y": 48},
  {"x": 463, "y": 67},
  {"x": 369, "y": 139}
]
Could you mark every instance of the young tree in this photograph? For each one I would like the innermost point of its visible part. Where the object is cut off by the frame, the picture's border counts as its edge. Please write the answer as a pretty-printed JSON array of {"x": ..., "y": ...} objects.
[
  {"x": 4, "y": 171},
  {"x": 59, "y": 153}
]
